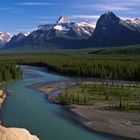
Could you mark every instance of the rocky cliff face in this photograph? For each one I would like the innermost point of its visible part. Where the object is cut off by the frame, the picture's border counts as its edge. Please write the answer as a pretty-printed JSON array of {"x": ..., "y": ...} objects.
[
  {"x": 113, "y": 31},
  {"x": 13, "y": 133}
]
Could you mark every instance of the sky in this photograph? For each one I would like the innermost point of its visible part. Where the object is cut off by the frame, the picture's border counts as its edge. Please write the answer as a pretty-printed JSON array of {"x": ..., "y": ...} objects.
[{"x": 25, "y": 15}]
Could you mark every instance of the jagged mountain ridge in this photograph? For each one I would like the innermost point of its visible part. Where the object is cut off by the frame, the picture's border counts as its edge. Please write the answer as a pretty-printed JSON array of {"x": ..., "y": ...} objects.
[
  {"x": 113, "y": 31},
  {"x": 64, "y": 29},
  {"x": 16, "y": 40},
  {"x": 110, "y": 31},
  {"x": 67, "y": 28}
]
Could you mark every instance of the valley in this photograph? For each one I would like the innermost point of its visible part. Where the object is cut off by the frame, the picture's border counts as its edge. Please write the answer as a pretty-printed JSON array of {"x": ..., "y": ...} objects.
[
  {"x": 33, "y": 103},
  {"x": 78, "y": 90},
  {"x": 69, "y": 70}
]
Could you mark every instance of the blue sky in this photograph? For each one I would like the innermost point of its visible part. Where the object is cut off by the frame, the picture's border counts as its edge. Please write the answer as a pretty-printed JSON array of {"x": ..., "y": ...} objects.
[{"x": 25, "y": 15}]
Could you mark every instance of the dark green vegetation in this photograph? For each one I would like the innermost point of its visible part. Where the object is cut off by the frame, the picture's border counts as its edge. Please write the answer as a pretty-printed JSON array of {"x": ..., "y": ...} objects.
[
  {"x": 127, "y": 50},
  {"x": 104, "y": 96},
  {"x": 114, "y": 97},
  {"x": 9, "y": 72},
  {"x": 105, "y": 67}
]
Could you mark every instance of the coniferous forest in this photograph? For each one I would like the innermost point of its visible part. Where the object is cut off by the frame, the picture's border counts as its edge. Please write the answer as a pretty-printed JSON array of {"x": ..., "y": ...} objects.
[
  {"x": 9, "y": 72},
  {"x": 120, "y": 68},
  {"x": 97, "y": 66}
]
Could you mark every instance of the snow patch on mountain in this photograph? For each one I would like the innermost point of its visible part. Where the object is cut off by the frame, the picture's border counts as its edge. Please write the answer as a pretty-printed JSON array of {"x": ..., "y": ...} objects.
[
  {"x": 25, "y": 33},
  {"x": 85, "y": 24},
  {"x": 63, "y": 19},
  {"x": 61, "y": 28}
]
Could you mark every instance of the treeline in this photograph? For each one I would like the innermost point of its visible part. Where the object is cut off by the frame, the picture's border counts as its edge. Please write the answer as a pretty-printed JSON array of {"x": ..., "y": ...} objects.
[
  {"x": 9, "y": 72},
  {"x": 104, "y": 67},
  {"x": 107, "y": 96}
]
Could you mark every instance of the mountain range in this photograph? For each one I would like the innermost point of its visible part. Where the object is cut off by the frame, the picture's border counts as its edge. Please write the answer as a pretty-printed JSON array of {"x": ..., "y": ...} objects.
[{"x": 110, "y": 30}]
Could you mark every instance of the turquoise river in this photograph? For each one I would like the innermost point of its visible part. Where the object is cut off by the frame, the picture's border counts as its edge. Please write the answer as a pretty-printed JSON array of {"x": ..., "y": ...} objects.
[{"x": 28, "y": 108}]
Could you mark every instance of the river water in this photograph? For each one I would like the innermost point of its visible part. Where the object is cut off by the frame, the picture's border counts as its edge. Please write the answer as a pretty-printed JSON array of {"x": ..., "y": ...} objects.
[{"x": 28, "y": 108}]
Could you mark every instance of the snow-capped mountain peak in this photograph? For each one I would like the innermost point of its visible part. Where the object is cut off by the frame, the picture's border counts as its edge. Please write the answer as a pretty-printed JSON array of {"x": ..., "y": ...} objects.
[
  {"x": 110, "y": 30},
  {"x": 63, "y": 19},
  {"x": 5, "y": 37},
  {"x": 22, "y": 35},
  {"x": 137, "y": 21},
  {"x": 132, "y": 24}
]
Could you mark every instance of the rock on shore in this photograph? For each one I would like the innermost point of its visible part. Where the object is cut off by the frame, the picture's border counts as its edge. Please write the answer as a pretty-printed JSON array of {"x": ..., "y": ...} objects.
[
  {"x": 13, "y": 133},
  {"x": 2, "y": 97}
]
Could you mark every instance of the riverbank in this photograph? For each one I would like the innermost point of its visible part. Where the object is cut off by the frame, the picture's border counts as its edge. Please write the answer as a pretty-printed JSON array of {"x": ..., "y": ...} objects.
[
  {"x": 116, "y": 123},
  {"x": 53, "y": 89},
  {"x": 13, "y": 133},
  {"x": 2, "y": 97},
  {"x": 96, "y": 119}
]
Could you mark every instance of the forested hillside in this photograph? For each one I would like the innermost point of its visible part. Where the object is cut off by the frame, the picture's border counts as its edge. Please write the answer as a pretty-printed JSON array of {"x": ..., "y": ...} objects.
[{"x": 124, "y": 50}]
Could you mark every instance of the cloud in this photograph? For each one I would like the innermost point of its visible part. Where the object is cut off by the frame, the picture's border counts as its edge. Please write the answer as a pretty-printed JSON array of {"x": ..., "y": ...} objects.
[
  {"x": 133, "y": 12},
  {"x": 125, "y": 18},
  {"x": 93, "y": 24},
  {"x": 45, "y": 22},
  {"x": 35, "y": 4},
  {"x": 113, "y": 6},
  {"x": 46, "y": 17},
  {"x": 131, "y": 1},
  {"x": 105, "y": 7},
  {"x": 86, "y": 16}
]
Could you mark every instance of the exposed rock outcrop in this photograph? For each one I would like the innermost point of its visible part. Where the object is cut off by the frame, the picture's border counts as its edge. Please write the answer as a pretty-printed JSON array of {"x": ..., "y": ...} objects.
[
  {"x": 113, "y": 31},
  {"x": 2, "y": 97},
  {"x": 15, "y": 134}
]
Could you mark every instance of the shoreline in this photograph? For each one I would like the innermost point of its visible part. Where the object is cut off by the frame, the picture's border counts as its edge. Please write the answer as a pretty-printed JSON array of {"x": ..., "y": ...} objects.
[
  {"x": 118, "y": 124},
  {"x": 13, "y": 133},
  {"x": 52, "y": 89},
  {"x": 2, "y": 97}
]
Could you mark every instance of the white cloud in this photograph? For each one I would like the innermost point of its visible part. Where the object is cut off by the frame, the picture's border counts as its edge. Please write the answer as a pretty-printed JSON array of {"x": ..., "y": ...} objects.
[
  {"x": 125, "y": 18},
  {"x": 86, "y": 16},
  {"x": 112, "y": 6},
  {"x": 105, "y": 7},
  {"x": 46, "y": 17},
  {"x": 45, "y": 22},
  {"x": 35, "y": 4}
]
